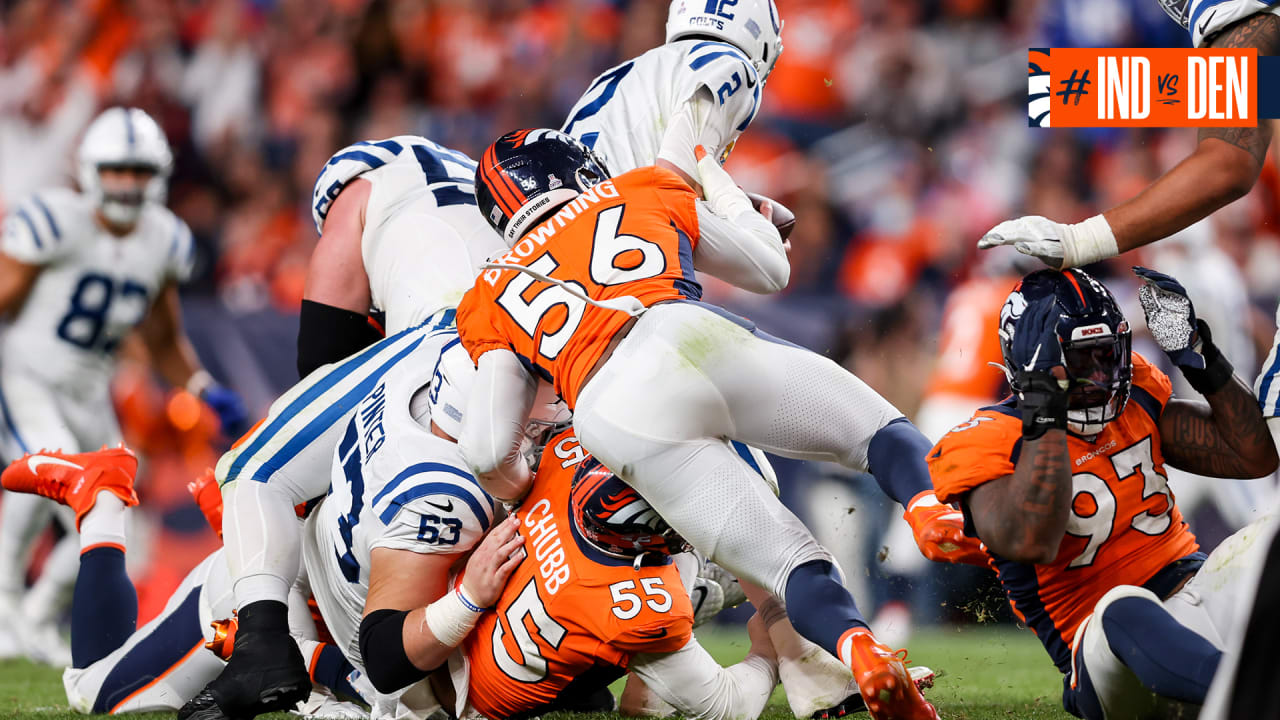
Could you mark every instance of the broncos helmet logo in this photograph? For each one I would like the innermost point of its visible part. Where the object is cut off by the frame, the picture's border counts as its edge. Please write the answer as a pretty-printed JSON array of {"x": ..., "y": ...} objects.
[{"x": 615, "y": 518}]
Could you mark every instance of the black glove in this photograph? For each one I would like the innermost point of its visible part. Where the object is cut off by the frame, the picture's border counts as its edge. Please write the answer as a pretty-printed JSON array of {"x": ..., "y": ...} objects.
[{"x": 1035, "y": 351}]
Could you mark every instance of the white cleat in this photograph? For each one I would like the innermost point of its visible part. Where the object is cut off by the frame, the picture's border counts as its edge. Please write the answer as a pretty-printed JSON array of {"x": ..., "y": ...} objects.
[{"x": 322, "y": 704}]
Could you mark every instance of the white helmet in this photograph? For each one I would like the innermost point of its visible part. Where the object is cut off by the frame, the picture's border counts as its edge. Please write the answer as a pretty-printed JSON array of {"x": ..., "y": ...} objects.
[
  {"x": 752, "y": 26},
  {"x": 124, "y": 137}
]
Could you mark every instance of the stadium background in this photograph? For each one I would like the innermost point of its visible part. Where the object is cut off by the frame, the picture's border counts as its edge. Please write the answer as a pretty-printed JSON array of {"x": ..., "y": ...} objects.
[{"x": 895, "y": 129}]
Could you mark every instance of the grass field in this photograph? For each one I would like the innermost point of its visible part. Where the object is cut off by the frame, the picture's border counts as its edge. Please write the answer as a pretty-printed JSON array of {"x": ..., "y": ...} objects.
[{"x": 984, "y": 674}]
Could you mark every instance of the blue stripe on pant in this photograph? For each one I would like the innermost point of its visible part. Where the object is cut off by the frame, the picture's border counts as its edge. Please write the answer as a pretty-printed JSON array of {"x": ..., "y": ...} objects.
[{"x": 153, "y": 657}]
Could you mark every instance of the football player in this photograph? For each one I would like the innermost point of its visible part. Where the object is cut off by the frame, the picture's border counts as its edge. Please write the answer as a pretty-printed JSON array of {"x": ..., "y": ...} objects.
[
  {"x": 703, "y": 87},
  {"x": 598, "y": 296},
  {"x": 598, "y": 595},
  {"x": 399, "y": 234},
  {"x": 286, "y": 461},
  {"x": 1065, "y": 484},
  {"x": 79, "y": 272},
  {"x": 117, "y": 667},
  {"x": 1223, "y": 168}
]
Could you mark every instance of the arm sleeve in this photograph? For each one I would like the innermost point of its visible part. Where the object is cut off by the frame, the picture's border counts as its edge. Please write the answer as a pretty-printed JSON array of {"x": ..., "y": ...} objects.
[
  {"x": 692, "y": 681},
  {"x": 493, "y": 424},
  {"x": 723, "y": 91},
  {"x": 745, "y": 251},
  {"x": 328, "y": 334}
]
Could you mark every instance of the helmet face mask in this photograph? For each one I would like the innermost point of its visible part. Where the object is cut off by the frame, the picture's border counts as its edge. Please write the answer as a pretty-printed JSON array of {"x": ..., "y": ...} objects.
[
  {"x": 615, "y": 519},
  {"x": 1095, "y": 339},
  {"x": 124, "y": 162}
]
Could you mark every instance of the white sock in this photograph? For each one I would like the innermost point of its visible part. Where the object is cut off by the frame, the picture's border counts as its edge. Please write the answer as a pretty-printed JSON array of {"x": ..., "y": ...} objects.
[
  {"x": 263, "y": 545},
  {"x": 105, "y": 522}
]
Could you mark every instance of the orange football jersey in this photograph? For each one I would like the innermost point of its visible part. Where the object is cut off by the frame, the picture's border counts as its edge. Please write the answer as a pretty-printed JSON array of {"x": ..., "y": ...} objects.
[
  {"x": 632, "y": 235},
  {"x": 570, "y": 614},
  {"x": 1124, "y": 526}
]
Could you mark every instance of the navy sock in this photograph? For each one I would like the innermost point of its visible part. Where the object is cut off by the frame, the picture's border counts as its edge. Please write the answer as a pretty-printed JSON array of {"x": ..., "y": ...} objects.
[
  {"x": 1169, "y": 659},
  {"x": 896, "y": 457},
  {"x": 819, "y": 606},
  {"x": 104, "y": 607},
  {"x": 331, "y": 671}
]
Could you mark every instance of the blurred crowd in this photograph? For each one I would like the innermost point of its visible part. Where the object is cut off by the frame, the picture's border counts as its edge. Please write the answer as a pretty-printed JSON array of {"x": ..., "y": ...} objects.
[{"x": 894, "y": 129}]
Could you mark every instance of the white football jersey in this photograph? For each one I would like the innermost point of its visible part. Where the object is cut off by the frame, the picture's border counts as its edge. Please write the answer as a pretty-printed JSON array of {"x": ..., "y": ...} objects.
[
  {"x": 1205, "y": 18},
  {"x": 623, "y": 115},
  {"x": 93, "y": 287},
  {"x": 423, "y": 238},
  {"x": 393, "y": 485}
]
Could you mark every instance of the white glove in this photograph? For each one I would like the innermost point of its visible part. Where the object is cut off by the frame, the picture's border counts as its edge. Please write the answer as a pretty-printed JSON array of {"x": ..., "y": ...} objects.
[
  {"x": 1056, "y": 245},
  {"x": 723, "y": 195}
]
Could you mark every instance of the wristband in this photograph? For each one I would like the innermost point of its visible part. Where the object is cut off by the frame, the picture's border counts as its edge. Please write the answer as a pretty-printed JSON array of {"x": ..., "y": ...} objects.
[
  {"x": 1088, "y": 242},
  {"x": 450, "y": 618},
  {"x": 466, "y": 601},
  {"x": 1217, "y": 371},
  {"x": 1043, "y": 404}
]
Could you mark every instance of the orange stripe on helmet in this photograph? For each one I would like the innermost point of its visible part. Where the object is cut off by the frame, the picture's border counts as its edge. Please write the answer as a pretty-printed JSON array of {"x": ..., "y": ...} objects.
[
  {"x": 501, "y": 193},
  {"x": 1072, "y": 277},
  {"x": 517, "y": 138}
]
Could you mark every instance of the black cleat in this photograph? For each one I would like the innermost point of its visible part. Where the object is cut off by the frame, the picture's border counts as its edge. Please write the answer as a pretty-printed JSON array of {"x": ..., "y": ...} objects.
[{"x": 266, "y": 672}]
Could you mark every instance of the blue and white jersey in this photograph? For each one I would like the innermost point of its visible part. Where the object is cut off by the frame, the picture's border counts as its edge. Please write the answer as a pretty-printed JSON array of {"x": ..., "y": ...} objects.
[
  {"x": 423, "y": 238},
  {"x": 624, "y": 113},
  {"x": 93, "y": 287},
  {"x": 393, "y": 485},
  {"x": 292, "y": 448},
  {"x": 1206, "y": 18}
]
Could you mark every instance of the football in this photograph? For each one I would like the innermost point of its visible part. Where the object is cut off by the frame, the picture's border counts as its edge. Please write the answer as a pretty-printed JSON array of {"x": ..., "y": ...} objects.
[{"x": 783, "y": 218}]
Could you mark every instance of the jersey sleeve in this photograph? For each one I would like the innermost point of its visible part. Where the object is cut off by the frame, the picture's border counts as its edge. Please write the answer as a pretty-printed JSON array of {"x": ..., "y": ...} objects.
[
  {"x": 975, "y": 452},
  {"x": 1207, "y": 18},
  {"x": 679, "y": 200},
  {"x": 434, "y": 516},
  {"x": 346, "y": 165},
  {"x": 182, "y": 252},
  {"x": 1150, "y": 384},
  {"x": 32, "y": 232},
  {"x": 734, "y": 88},
  {"x": 476, "y": 328}
]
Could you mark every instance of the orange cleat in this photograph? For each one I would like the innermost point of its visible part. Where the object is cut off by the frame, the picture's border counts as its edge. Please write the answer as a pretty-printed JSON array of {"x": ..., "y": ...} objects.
[
  {"x": 74, "y": 479},
  {"x": 939, "y": 532},
  {"x": 224, "y": 636},
  {"x": 887, "y": 688},
  {"x": 208, "y": 496}
]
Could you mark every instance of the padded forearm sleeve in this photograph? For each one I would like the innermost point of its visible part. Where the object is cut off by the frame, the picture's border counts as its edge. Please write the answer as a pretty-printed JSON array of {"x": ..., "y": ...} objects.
[{"x": 328, "y": 334}]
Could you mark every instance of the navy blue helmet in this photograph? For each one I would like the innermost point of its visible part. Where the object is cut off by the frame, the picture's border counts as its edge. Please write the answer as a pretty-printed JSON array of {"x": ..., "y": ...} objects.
[
  {"x": 527, "y": 174},
  {"x": 1095, "y": 339}
]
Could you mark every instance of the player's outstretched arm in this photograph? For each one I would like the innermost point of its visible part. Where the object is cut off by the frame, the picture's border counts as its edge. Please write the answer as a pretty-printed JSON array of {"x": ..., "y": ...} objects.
[
  {"x": 1023, "y": 516},
  {"x": 413, "y": 622},
  {"x": 335, "y": 303},
  {"x": 1225, "y": 436},
  {"x": 736, "y": 243},
  {"x": 1223, "y": 168},
  {"x": 493, "y": 425},
  {"x": 697, "y": 686},
  {"x": 179, "y": 365}
]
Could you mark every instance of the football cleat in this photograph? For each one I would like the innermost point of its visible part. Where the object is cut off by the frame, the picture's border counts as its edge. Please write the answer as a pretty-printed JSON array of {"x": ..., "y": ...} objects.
[
  {"x": 208, "y": 496},
  {"x": 224, "y": 637},
  {"x": 265, "y": 673},
  {"x": 74, "y": 479},
  {"x": 922, "y": 676},
  {"x": 939, "y": 532},
  {"x": 887, "y": 688}
]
